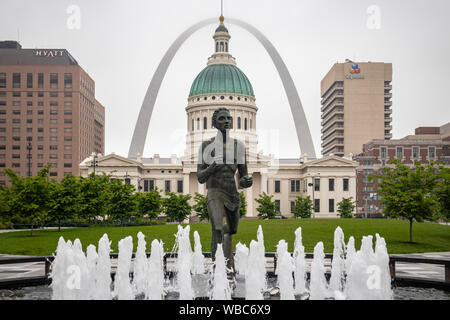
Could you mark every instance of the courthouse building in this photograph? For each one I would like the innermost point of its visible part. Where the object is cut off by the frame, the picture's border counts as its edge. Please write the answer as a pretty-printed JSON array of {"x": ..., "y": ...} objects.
[{"x": 222, "y": 84}]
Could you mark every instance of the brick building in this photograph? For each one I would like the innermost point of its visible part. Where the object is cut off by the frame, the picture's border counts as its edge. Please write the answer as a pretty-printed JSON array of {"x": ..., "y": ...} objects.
[{"x": 427, "y": 144}]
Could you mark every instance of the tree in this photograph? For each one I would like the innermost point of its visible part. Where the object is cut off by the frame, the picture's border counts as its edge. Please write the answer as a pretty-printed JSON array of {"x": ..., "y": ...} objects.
[
  {"x": 5, "y": 213},
  {"x": 303, "y": 207},
  {"x": 346, "y": 207},
  {"x": 29, "y": 197},
  {"x": 65, "y": 200},
  {"x": 121, "y": 200},
  {"x": 408, "y": 192},
  {"x": 94, "y": 195},
  {"x": 201, "y": 206},
  {"x": 149, "y": 203},
  {"x": 176, "y": 206},
  {"x": 267, "y": 207},
  {"x": 243, "y": 207},
  {"x": 443, "y": 192}
]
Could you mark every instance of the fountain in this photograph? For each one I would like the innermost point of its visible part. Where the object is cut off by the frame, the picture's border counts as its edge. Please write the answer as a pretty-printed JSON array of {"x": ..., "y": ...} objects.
[
  {"x": 155, "y": 274},
  {"x": 254, "y": 278},
  {"x": 198, "y": 263},
  {"x": 318, "y": 284},
  {"x": 140, "y": 269},
  {"x": 221, "y": 286},
  {"x": 184, "y": 263},
  {"x": 362, "y": 274},
  {"x": 299, "y": 263},
  {"x": 241, "y": 258},
  {"x": 285, "y": 268},
  {"x": 338, "y": 264},
  {"x": 122, "y": 284}
]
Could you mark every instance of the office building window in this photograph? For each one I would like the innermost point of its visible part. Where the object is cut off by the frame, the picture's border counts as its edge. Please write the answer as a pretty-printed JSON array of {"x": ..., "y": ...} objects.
[
  {"x": 53, "y": 80},
  {"x": 16, "y": 80},
  {"x": 29, "y": 80},
  {"x": 127, "y": 180},
  {"x": 277, "y": 186},
  {"x": 431, "y": 152},
  {"x": 415, "y": 152},
  {"x": 239, "y": 122},
  {"x": 399, "y": 152},
  {"x": 245, "y": 124},
  {"x": 316, "y": 205},
  {"x": 167, "y": 185},
  {"x": 205, "y": 123},
  {"x": 383, "y": 152},
  {"x": 67, "y": 80},
  {"x": 345, "y": 184},
  {"x": 40, "y": 80},
  {"x": 330, "y": 184},
  {"x": 198, "y": 123},
  {"x": 292, "y": 206},
  {"x": 330, "y": 205},
  {"x": 180, "y": 186},
  {"x": 2, "y": 80}
]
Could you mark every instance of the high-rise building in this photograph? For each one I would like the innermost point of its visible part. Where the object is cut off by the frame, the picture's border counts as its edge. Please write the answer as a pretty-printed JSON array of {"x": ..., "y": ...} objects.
[
  {"x": 356, "y": 106},
  {"x": 48, "y": 112}
]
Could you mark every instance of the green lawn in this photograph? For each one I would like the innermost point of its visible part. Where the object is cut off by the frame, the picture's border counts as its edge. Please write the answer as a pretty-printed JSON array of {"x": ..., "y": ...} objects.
[{"x": 428, "y": 237}]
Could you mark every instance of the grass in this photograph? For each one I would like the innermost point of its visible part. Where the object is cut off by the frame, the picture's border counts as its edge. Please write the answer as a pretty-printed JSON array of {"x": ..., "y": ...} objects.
[{"x": 428, "y": 237}]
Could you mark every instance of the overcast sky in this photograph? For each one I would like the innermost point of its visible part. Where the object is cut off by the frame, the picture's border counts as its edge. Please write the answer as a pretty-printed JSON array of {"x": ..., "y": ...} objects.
[{"x": 120, "y": 44}]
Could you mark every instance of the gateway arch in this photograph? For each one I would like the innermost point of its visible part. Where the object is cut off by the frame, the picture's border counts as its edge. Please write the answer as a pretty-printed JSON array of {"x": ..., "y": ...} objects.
[{"x": 145, "y": 114}]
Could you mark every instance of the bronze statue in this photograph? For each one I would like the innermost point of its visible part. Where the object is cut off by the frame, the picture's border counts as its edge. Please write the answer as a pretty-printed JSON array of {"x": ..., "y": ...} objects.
[{"x": 219, "y": 159}]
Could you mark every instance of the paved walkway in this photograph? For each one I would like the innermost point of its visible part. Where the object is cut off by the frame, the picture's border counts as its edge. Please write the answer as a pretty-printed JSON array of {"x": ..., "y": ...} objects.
[
  {"x": 45, "y": 228},
  {"x": 420, "y": 270}
]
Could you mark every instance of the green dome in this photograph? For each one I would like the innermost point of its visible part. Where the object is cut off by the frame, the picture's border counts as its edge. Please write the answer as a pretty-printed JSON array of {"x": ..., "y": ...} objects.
[
  {"x": 221, "y": 78},
  {"x": 221, "y": 28}
]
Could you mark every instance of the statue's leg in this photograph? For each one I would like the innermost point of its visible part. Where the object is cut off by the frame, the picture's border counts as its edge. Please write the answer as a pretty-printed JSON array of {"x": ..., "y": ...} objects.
[
  {"x": 216, "y": 211},
  {"x": 232, "y": 218}
]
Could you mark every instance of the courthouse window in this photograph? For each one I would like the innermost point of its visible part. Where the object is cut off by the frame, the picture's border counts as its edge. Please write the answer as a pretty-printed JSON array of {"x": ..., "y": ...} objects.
[
  {"x": 167, "y": 185},
  {"x": 277, "y": 186},
  {"x": 330, "y": 184},
  {"x": 345, "y": 184}
]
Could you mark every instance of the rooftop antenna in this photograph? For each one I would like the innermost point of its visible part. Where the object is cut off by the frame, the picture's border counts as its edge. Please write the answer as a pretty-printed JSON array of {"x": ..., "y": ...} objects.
[{"x": 221, "y": 7}]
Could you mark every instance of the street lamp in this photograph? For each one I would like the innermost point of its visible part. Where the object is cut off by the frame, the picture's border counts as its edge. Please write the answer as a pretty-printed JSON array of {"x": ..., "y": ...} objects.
[
  {"x": 312, "y": 184},
  {"x": 94, "y": 161},
  {"x": 29, "y": 147}
]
